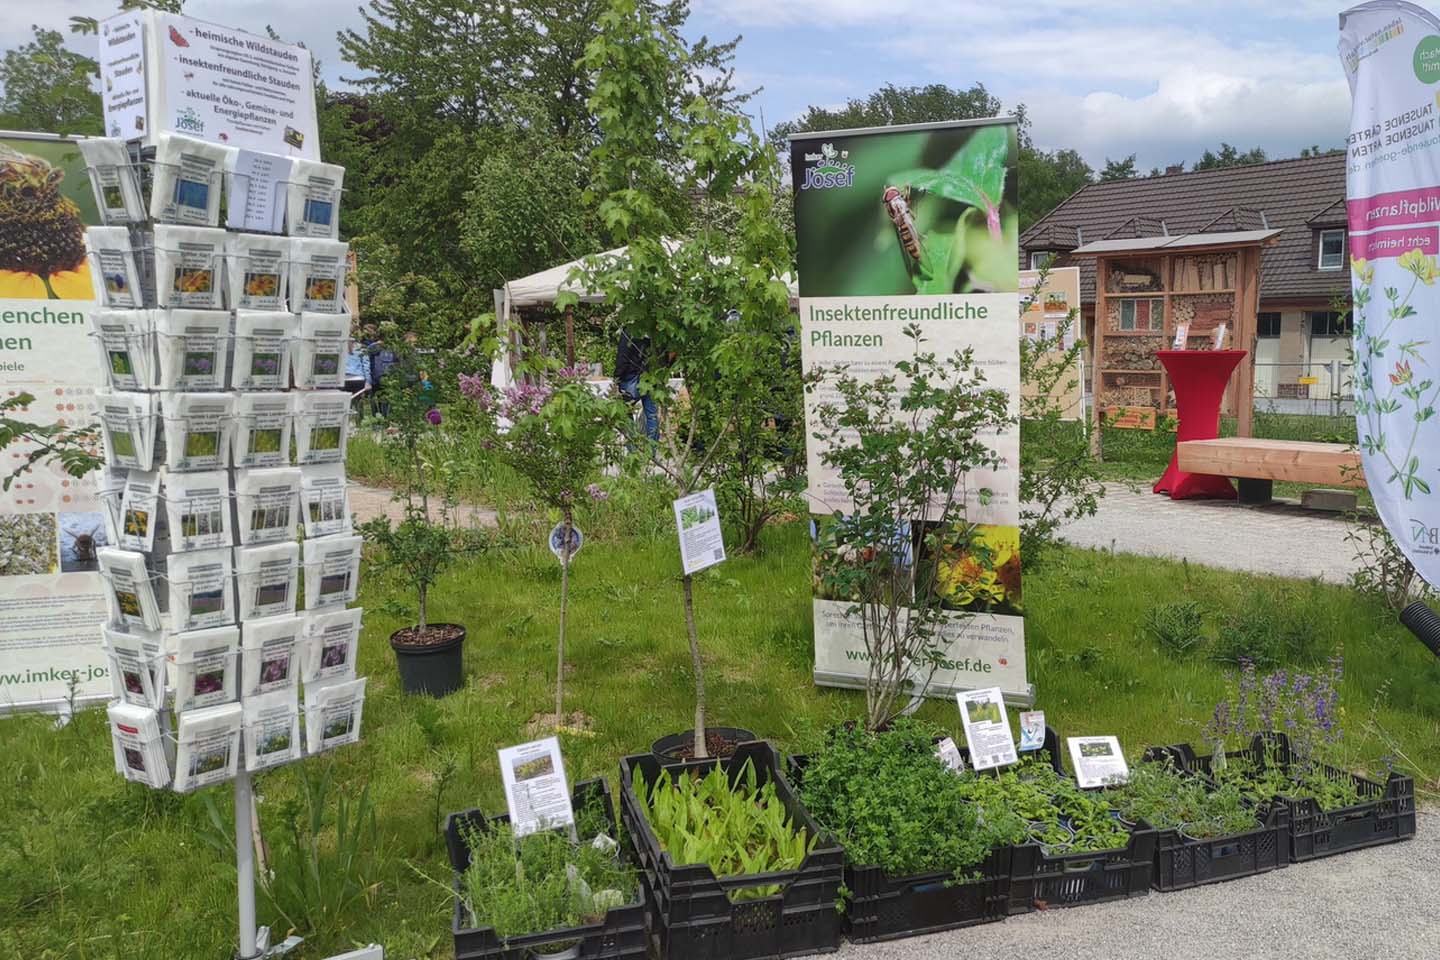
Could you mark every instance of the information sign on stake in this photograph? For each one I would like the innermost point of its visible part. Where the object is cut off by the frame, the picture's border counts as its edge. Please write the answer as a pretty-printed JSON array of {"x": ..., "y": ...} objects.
[
  {"x": 1097, "y": 761},
  {"x": 1032, "y": 730},
  {"x": 557, "y": 541},
  {"x": 535, "y": 787},
  {"x": 697, "y": 520},
  {"x": 987, "y": 728}
]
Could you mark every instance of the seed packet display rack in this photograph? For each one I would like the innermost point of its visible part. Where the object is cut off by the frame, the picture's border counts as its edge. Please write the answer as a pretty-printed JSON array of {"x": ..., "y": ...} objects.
[{"x": 159, "y": 664}]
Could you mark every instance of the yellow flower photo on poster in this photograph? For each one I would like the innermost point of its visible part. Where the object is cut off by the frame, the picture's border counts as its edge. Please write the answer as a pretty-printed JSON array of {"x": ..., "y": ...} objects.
[
  {"x": 45, "y": 203},
  {"x": 976, "y": 569}
]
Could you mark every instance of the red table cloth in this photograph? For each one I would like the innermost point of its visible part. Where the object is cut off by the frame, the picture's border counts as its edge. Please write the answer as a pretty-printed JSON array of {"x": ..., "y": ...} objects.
[{"x": 1199, "y": 378}]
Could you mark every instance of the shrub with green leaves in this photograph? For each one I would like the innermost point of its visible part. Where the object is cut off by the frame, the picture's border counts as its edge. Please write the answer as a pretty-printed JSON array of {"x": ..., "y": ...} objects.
[
  {"x": 1035, "y": 794},
  {"x": 1177, "y": 627},
  {"x": 892, "y": 803},
  {"x": 736, "y": 831}
]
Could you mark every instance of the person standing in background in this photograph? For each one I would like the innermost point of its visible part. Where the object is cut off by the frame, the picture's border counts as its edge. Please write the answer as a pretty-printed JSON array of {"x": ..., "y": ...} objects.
[
  {"x": 357, "y": 379},
  {"x": 631, "y": 360},
  {"x": 382, "y": 358}
]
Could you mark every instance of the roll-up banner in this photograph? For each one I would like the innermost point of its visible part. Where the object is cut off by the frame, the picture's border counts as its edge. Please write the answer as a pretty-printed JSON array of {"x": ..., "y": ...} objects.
[
  {"x": 52, "y": 598},
  {"x": 1391, "y": 55},
  {"x": 917, "y": 225}
]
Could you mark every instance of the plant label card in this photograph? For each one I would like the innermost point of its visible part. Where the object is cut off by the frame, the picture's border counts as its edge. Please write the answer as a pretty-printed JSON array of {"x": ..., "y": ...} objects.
[
  {"x": 987, "y": 729},
  {"x": 1182, "y": 335},
  {"x": 557, "y": 540},
  {"x": 256, "y": 191},
  {"x": 949, "y": 754},
  {"x": 535, "y": 787},
  {"x": 1097, "y": 761},
  {"x": 1032, "y": 730},
  {"x": 697, "y": 519}
]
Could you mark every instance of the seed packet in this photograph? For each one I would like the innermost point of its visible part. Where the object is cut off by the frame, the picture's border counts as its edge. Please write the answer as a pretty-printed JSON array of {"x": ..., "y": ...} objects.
[
  {"x": 197, "y": 508},
  {"x": 259, "y": 271},
  {"x": 262, "y": 429},
  {"x": 138, "y": 743},
  {"x": 204, "y": 667},
  {"x": 271, "y": 654},
  {"x": 132, "y": 593},
  {"x": 110, "y": 490},
  {"x": 208, "y": 746},
  {"x": 321, "y": 419},
  {"x": 267, "y": 502},
  {"x": 312, "y": 207},
  {"x": 262, "y": 350},
  {"x": 128, "y": 422},
  {"x": 137, "y": 666},
  {"x": 112, "y": 268},
  {"x": 272, "y": 729},
  {"x": 320, "y": 357},
  {"x": 139, "y": 510},
  {"x": 268, "y": 578},
  {"x": 126, "y": 343},
  {"x": 332, "y": 571},
  {"x": 197, "y": 430},
  {"x": 193, "y": 347},
  {"x": 200, "y": 594},
  {"x": 117, "y": 188},
  {"x": 317, "y": 276},
  {"x": 323, "y": 501},
  {"x": 187, "y": 180},
  {"x": 332, "y": 640},
  {"x": 332, "y": 714},
  {"x": 189, "y": 266}
]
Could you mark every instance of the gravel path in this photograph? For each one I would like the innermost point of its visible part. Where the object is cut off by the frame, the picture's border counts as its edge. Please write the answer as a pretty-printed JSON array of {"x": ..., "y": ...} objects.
[
  {"x": 1372, "y": 903},
  {"x": 1279, "y": 539},
  {"x": 370, "y": 502}
]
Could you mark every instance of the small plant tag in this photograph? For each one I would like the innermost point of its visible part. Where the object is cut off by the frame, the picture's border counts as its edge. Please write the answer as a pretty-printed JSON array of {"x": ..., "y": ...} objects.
[
  {"x": 557, "y": 541},
  {"x": 535, "y": 787},
  {"x": 1032, "y": 730},
  {"x": 697, "y": 520},
  {"x": 987, "y": 729},
  {"x": 1097, "y": 761},
  {"x": 949, "y": 754}
]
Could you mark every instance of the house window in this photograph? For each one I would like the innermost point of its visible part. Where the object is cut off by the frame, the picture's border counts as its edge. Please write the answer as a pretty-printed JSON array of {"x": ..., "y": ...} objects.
[
  {"x": 1144, "y": 315},
  {"x": 1332, "y": 249},
  {"x": 1039, "y": 259},
  {"x": 1267, "y": 325},
  {"x": 1328, "y": 323}
]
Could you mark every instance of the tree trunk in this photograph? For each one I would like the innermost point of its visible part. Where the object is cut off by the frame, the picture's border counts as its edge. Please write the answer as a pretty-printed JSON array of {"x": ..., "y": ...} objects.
[
  {"x": 564, "y": 602},
  {"x": 423, "y": 592},
  {"x": 697, "y": 665}
]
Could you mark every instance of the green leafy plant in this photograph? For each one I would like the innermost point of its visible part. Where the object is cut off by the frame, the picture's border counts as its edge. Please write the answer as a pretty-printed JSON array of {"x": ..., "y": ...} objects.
[
  {"x": 72, "y": 448},
  {"x": 736, "y": 831},
  {"x": 1178, "y": 627},
  {"x": 1169, "y": 799}
]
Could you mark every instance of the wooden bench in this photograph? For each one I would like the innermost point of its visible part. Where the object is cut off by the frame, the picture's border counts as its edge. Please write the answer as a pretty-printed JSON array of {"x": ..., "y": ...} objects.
[{"x": 1258, "y": 463}]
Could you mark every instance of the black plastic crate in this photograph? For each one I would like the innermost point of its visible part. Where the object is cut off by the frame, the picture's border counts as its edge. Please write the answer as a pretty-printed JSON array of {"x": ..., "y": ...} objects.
[
  {"x": 619, "y": 936},
  {"x": 882, "y": 907},
  {"x": 1385, "y": 813},
  {"x": 1038, "y": 881},
  {"x": 691, "y": 914}
]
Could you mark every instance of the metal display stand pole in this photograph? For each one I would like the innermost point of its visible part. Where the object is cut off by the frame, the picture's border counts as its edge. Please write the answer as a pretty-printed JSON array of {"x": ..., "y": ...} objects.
[{"x": 245, "y": 866}]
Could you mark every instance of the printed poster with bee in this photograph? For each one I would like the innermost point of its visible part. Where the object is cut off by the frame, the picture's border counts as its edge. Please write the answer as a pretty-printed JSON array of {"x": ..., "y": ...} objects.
[
  {"x": 52, "y": 601},
  {"x": 901, "y": 226}
]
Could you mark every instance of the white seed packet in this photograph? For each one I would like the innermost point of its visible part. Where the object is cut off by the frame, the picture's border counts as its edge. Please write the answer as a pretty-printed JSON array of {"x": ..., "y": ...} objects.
[
  {"x": 127, "y": 342},
  {"x": 139, "y": 510},
  {"x": 208, "y": 747},
  {"x": 188, "y": 174},
  {"x": 317, "y": 276},
  {"x": 132, "y": 593},
  {"x": 312, "y": 207},
  {"x": 332, "y": 571},
  {"x": 321, "y": 419},
  {"x": 117, "y": 188},
  {"x": 272, "y": 654},
  {"x": 197, "y": 430},
  {"x": 262, "y": 429},
  {"x": 332, "y": 714},
  {"x": 189, "y": 267},
  {"x": 197, "y": 508},
  {"x": 128, "y": 422},
  {"x": 263, "y": 343},
  {"x": 194, "y": 346},
  {"x": 137, "y": 666},
  {"x": 267, "y": 578},
  {"x": 203, "y": 664},
  {"x": 324, "y": 502},
  {"x": 259, "y": 271},
  {"x": 332, "y": 640},
  {"x": 110, "y": 490},
  {"x": 112, "y": 268},
  {"x": 322, "y": 347},
  {"x": 139, "y": 746},
  {"x": 200, "y": 594},
  {"x": 272, "y": 729},
  {"x": 267, "y": 504}
]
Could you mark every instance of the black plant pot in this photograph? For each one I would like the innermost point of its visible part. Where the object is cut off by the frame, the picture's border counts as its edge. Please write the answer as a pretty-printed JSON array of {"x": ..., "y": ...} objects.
[
  {"x": 435, "y": 669},
  {"x": 676, "y": 746}
]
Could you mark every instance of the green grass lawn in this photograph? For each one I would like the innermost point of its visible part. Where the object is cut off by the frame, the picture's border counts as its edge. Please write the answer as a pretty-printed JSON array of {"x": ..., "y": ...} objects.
[{"x": 93, "y": 867}]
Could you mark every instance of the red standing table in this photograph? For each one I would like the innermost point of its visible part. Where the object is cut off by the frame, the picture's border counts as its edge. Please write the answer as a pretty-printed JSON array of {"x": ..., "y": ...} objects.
[{"x": 1199, "y": 378}]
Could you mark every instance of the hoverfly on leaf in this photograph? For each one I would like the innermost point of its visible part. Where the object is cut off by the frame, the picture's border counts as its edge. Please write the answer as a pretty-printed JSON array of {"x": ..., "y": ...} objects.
[{"x": 897, "y": 207}]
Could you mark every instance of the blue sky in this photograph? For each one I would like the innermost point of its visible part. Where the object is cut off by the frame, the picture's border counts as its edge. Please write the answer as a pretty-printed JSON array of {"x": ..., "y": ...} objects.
[{"x": 1160, "y": 79}]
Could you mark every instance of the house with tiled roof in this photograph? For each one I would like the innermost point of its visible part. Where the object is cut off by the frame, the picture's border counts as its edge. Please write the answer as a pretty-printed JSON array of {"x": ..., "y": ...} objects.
[{"x": 1299, "y": 333}]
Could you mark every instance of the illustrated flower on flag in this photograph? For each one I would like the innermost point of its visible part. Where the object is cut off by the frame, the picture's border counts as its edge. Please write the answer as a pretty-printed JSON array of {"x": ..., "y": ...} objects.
[
  {"x": 1418, "y": 263},
  {"x": 1402, "y": 374},
  {"x": 1362, "y": 269}
]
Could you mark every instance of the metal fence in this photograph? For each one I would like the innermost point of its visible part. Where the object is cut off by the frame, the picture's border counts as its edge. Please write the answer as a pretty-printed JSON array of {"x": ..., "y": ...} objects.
[{"x": 1320, "y": 389}]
